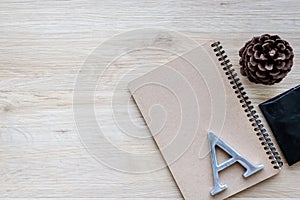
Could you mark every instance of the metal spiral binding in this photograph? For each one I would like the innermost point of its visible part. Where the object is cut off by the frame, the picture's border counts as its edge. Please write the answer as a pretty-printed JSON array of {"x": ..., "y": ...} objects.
[{"x": 247, "y": 106}]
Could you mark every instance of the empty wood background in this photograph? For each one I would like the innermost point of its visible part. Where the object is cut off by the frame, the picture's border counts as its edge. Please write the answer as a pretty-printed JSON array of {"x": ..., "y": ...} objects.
[{"x": 45, "y": 44}]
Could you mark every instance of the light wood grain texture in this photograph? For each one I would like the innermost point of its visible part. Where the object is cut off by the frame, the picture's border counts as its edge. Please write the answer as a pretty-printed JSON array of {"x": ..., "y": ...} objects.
[{"x": 44, "y": 44}]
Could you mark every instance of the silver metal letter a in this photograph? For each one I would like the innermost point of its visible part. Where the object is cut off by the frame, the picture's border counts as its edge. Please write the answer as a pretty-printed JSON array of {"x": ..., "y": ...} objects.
[{"x": 235, "y": 157}]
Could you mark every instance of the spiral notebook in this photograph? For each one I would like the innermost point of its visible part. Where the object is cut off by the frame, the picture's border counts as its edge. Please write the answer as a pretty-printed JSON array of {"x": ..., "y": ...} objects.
[{"x": 193, "y": 102}]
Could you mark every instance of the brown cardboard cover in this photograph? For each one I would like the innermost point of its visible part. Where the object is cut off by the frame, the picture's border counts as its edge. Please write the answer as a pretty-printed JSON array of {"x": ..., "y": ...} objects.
[{"x": 184, "y": 99}]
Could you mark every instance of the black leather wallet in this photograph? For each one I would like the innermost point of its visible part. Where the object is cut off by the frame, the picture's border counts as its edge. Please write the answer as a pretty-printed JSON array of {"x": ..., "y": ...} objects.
[{"x": 283, "y": 116}]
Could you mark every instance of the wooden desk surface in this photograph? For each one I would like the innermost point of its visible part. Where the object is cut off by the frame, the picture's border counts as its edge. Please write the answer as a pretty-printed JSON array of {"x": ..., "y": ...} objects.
[{"x": 45, "y": 44}]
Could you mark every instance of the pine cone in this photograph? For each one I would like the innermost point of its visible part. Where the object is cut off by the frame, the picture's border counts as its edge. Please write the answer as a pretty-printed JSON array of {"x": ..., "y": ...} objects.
[{"x": 266, "y": 59}]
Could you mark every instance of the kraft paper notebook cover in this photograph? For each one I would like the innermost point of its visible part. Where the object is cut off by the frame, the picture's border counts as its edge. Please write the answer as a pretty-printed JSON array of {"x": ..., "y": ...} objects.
[{"x": 185, "y": 99}]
